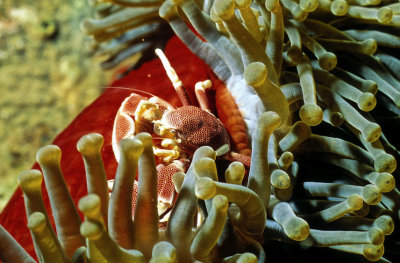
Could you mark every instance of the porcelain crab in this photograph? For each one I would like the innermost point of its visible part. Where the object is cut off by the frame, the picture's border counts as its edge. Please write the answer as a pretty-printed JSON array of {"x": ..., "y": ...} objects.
[{"x": 177, "y": 132}]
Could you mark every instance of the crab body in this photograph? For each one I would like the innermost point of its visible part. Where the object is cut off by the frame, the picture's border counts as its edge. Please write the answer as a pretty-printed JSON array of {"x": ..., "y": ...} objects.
[
  {"x": 177, "y": 133},
  {"x": 195, "y": 128}
]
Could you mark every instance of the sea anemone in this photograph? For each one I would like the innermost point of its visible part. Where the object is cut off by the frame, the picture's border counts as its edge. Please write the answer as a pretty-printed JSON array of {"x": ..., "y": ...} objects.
[{"x": 317, "y": 86}]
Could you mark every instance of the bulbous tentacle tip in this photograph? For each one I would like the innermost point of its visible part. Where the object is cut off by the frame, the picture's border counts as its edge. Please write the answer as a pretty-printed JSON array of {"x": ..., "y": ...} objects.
[
  {"x": 89, "y": 204},
  {"x": 234, "y": 174},
  {"x": 270, "y": 119},
  {"x": 385, "y": 182},
  {"x": 280, "y": 179},
  {"x": 385, "y": 163},
  {"x": 91, "y": 230},
  {"x": 206, "y": 167},
  {"x": 164, "y": 252},
  {"x": 376, "y": 236},
  {"x": 355, "y": 202},
  {"x": 145, "y": 138},
  {"x": 205, "y": 188},
  {"x": 295, "y": 55},
  {"x": 372, "y": 132},
  {"x": 369, "y": 46},
  {"x": 168, "y": 10},
  {"x": 30, "y": 180},
  {"x": 373, "y": 252},
  {"x": 328, "y": 61},
  {"x": 90, "y": 144},
  {"x": 311, "y": 114},
  {"x": 131, "y": 147},
  {"x": 297, "y": 229},
  {"x": 272, "y": 5},
  {"x": 371, "y": 194},
  {"x": 366, "y": 101},
  {"x": 339, "y": 7},
  {"x": 48, "y": 155},
  {"x": 37, "y": 221},
  {"x": 204, "y": 151},
  {"x": 255, "y": 74},
  {"x": 308, "y": 5},
  {"x": 384, "y": 15},
  {"x": 225, "y": 9},
  {"x": 285, "y": 160},
  {"x": 385, "y": 223}
]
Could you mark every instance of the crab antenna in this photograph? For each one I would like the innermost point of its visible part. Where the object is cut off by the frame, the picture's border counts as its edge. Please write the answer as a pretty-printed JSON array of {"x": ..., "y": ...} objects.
[{"x": 176, "y": 82}]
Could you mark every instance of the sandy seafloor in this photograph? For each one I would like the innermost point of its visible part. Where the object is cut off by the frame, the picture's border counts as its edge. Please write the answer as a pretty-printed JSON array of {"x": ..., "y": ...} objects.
[{"x": 44, "y": 83}]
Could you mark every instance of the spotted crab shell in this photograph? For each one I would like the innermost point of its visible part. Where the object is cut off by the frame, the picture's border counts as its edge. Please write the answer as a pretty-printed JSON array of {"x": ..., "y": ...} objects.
[
  {"x": 124, "y": 126},
  {"x": 196, "y": 127}
]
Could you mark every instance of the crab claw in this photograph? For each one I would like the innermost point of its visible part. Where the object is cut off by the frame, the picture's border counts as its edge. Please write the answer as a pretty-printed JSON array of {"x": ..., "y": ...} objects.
[
  {"x": 136, "y": 114},
  {"x": 124, "y": 124}
]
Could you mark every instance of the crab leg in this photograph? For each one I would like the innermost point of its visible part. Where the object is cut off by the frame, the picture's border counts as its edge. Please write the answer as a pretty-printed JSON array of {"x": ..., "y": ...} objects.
[
  {"x": 176, "y": 82},
  {"x": 200, "y": 90}
]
